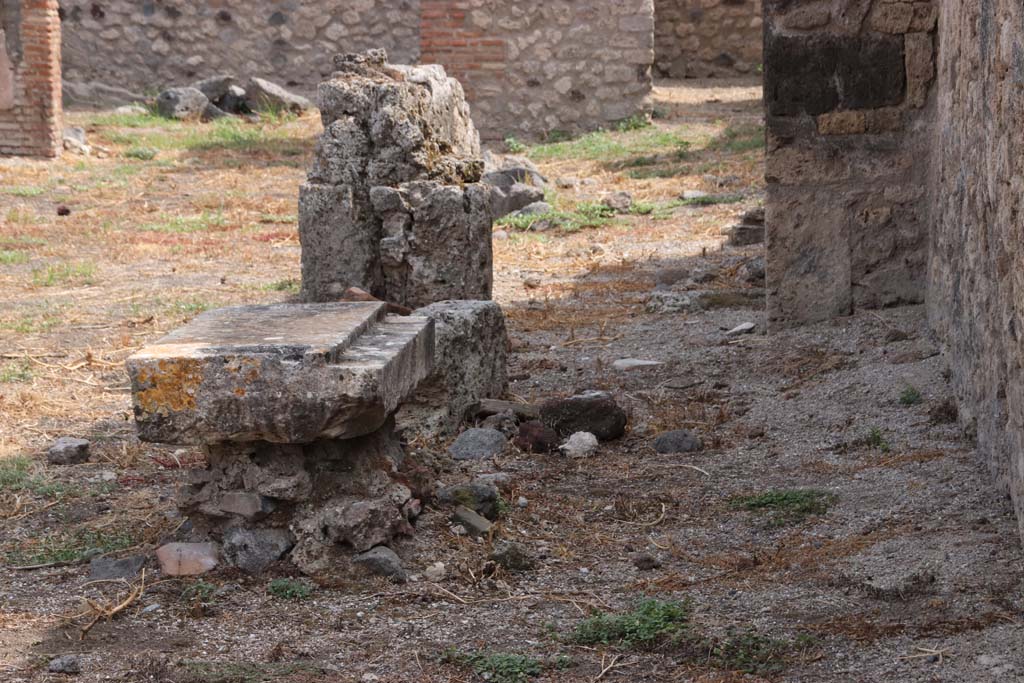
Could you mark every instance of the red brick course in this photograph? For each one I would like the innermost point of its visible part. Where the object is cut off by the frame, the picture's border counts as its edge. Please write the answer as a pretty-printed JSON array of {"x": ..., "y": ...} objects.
[{"x": 32, "y": 127}]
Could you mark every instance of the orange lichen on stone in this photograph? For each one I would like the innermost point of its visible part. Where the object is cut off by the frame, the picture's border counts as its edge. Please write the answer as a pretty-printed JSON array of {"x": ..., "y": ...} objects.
[{"x": 171, "y": 386}]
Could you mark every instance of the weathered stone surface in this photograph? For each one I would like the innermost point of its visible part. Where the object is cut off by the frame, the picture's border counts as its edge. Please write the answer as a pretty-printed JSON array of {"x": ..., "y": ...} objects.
[
  {"x": 579, "y": 445},
  {"x": 709, "y": 38},
  {"x": 187, "y": 559},
  {"x": 592, "y": 411},
  {"x": 474, "y": 524},
  {"x": 262, "y": 94},
  {"x": 477, "y": 444},
  {"x": 106, "y": 569},
  {"x": 393, "y": 204},
  {"x": 280, "y": 373},
  {"x": 536, "y": 437},
  {"x": 65, "y": 664},
  {"x": 513, "y": 557},
  {"x": 678, "y": 441},
  {"x": 68, "y": 451},
  {"x": 382, "y": 561},
  {"x": 215, "y": 87},
  {"x": 470, "y": 365},
  {"x": 253, "y": 550},
  {"x": 181, "y": 103},
  {"x": 480, "y": 497}
]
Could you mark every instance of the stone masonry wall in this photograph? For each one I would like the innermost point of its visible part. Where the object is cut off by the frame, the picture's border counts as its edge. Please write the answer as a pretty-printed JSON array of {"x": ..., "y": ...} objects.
[
  {"x": 703, "y": 38},
  {"x": 849, "y": 112},
  {"x": 30, "y": 108},
  {"x": 145, "y": 45},
  {"x": 976, "y": 271},
  {"x": 536, "y": 68},
  {"x": 528, "y": 68}
]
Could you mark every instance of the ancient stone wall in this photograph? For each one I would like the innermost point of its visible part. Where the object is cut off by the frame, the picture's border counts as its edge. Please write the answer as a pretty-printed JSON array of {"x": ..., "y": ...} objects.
[
  {"x": 536, "y": 68},
  {"x": 976, "y": 272},
  {"x": 528, "y": 68},
  {"x": 146, "y": 45},
  {"x": 702, "y": 38},
  {"x": 30, "y": 108},
  {"x": 849, "y": 103}
]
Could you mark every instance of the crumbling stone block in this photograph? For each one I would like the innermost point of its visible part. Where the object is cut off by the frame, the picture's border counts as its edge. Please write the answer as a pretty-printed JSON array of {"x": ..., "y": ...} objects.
[
  {"x": 393, "y": 203},
  {"x": 470, "y": 361},
  {"x": 279, "y": 373}
]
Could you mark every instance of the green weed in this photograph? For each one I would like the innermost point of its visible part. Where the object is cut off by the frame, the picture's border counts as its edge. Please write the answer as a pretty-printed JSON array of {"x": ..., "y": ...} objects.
[
  {"x": 497, "y": 667},
  {"x": 634, "y": 122},
  {"x": 786, "y": 506},
  {"x": 11, "y": 257},
  {"x": 514, "y": 146},
  {"x": 70, "y": 546},
  {"x": 289, "y": 589},
  {"x": 81, "y": 273},
  {"x": 140, "y": 153},
  {"x": 911, "y": 397},
  {"x": 207, "y": 220},
  {"x": 23, "y": 191},
  {"x": 15, "y": 372},
  {"x": 650, "y": 624},
  {"x": 290, "y": 285},
  {"x": 876, "y": 439}
]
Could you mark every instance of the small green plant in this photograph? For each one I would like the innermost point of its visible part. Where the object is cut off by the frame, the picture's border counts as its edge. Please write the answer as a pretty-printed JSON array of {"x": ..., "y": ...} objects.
[
  {"x": 188, "y": 307},
  {"x": 23, "y": 191},
  {"x": 183, "y": 224},
  {"x": 289, "y": 589},
  {"x": 140, "y": 153},
  {"x": 15, "y": 372},
  {"x": 10, "y": 257},
  {"x": 787, "y": 506},
  {"x": 69, "y": 547},
  {"x": 497, "y": 667},
  {"x": 514, "y": 146},
  {"x": 711, "y": 200},
  {"x": 634, "y": 122},
  {"x": 82, "y": 273},
  {"x": 748, "y": 651},
  {"x": 650, "y": 624},
  {"x": 910, "y": 397},
  {"x": 876, "y": 439},
  {"x": 200, "y": 591},
  {"x": 287, "y": 285}
]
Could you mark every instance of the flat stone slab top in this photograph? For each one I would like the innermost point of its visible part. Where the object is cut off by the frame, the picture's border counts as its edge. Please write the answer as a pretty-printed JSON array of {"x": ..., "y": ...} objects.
[{"x": 283, "y": 373}]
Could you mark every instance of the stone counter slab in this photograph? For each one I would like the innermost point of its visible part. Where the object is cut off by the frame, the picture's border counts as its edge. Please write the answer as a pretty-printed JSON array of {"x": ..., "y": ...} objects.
[{"x": 284, "y": 373}]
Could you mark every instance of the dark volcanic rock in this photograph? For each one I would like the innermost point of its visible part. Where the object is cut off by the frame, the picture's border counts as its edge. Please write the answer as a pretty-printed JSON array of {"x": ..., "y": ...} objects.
[
  {"x": 536, "y": 437},
  {"x": 593, "y": 411},
  {"x": 678, "y": 441}
]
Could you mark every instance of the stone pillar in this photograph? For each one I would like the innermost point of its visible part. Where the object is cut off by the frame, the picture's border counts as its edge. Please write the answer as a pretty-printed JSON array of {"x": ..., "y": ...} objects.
[
  {"x": 849, "y": 111},
  {"x": 30, "y": 85}
]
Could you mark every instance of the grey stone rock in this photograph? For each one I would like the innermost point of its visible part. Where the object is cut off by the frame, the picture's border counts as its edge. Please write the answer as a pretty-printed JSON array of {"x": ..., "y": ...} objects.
[
  {"x": 500, "y": 480},
  {"x": 506, "y": 423},
  {"x": 182, "y": 104},
  {"x": 382, "y": 561},
  {"x": 627, "y": 364},
  {"x": 567, "y": 182},
  {"x": 470, "y": 366},
  {"x": 345, "y": 368},
  {"x": 474, "y": 524},
  {"x": 592, "y": 411},
  {"x": 741, "y": 329},
  {"x": 212, "y": 112},
  {"x": 478, "y": 444},
  {"x": 68, "y": 451},
  {"x": 513, "y": 557},
  {"x": 215, "y": 87},
  {"x": 477, "y": 496},
  {"x": 753, "y": 271},
  {"x": 107, "y": 569},
  {"x": 234, "y": 101},
  {"x": 262, "y": 94},
  {"x": 678, "y": 441},
  {"x": 744, "y": 235},
  {"x": 619, "y": 202},
  {"x": 535, "y": 209},
  {"x": 693, "y": 194},
  {"x": 65, "y": 664},
  {"x": 645, "y": 562},
  {"x": 359, "y": 524},
  {"x": 579, "y": 445},
  {"x": 253, "y": 550},
  {"x": 506, "y": 200}
]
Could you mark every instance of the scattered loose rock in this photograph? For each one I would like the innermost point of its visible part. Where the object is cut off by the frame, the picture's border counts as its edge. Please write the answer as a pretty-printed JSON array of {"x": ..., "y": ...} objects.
[
  {"x": 68, "y": 451},
  {"x": 65, "y": 664},
  {"x": 513, "y": 557},
  {"x": 579, "y": 445},
  {"x": 645, "y": 561},
  {"x": 474, "y": 524},
  {"x": 477, "y": 444},
  {"x": 382, "y": 561},
  {"x": 107, "y": 569},
  {"x": 535, "y": 209},
  {"x": 742, "y": 328},
  {"x": 592, "y": 411},
  {"x": 181, "y": 103},
  {"x": 619, "y": 202},
  {"x": 477, "y": 496},
  {"x": 262, "y": 94},
  {"x": 253, "y": 550},
  {"x": 536, "y": 437},
  {"x": 435, "y": 572},
  {"x": 188, "y": 559},
  {"x": 678, "y": 441},
  {"x": 491, "y": 406},
  {"x": 626, "y": 364}
]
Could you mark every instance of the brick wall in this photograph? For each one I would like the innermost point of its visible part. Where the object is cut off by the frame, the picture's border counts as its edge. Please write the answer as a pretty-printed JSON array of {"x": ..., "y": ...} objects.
[
  {"x": 30, "y": 109},
  {"x": 702, "y": 38}
]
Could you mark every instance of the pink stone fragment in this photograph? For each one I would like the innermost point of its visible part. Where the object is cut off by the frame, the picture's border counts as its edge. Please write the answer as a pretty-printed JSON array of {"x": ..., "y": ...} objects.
[{"x": 187, "y": 559}]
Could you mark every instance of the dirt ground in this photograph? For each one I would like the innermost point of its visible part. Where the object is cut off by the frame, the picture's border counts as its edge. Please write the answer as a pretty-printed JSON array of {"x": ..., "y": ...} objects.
[{"x": 908, "y": 567}]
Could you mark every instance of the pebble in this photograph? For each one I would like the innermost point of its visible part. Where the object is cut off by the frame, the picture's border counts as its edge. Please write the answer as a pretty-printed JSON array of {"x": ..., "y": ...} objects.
[
  {"x": 68, "y": 451},
  {"x": 522, "y": 502},
  {"x": 743, "y": 328},
  {"x": 693, "y": 194},
  {"x": 477, "y": 444},
  {"x": 436, "y": 572},
  {"x": 151, "y": 608},
  {"x": 579, "y": 445},
  {"x": 65, "y": 664},
  {"x": 382, "y": 561},
  {"x": 474, "y": 524},
  {"x": 626, "y": 364},
  {"x": 500, "y": 235},
  {"x": 678, "y": 441},
  {"x": 513, "y": 557},
  {"x": 188, "y": 559}
]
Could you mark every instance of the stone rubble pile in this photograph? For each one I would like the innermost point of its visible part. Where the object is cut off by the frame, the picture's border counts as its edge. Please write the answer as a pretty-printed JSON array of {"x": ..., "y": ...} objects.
[
  {"x": 750, "y": 229},
  {"x": 219, "y": 96}
]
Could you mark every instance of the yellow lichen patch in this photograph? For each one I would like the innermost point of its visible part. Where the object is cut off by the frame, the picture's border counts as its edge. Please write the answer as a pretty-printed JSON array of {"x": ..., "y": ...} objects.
[{"x": 170, "y": 386}]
